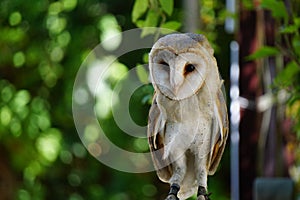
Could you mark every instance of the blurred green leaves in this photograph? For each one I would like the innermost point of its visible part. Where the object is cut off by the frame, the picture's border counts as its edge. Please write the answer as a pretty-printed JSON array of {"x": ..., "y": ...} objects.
[
  {"x": 167, "y": 6},
  {"x": 263, "y": 52},
  {"x": 276, "y": 7},
  {"x": 42, "y": 46},
  {"x": 15, "y": 18},
  {"x": 139, "y": 8},
  {"x": 288, "y": 76},
  {"x": 287, "y": 45},
  {"x": 154, "y": 13},
  {"x": 43, "y": 43},
  {"x": 49, "y": 144}
]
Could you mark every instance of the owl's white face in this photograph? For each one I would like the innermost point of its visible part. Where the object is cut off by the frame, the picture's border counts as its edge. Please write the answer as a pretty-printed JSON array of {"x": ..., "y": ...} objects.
[{"x": 178, "y": 75}]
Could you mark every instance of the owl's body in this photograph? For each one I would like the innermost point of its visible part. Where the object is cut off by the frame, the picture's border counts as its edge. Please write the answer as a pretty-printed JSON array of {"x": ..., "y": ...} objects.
[{"x": 188, "y": 123}]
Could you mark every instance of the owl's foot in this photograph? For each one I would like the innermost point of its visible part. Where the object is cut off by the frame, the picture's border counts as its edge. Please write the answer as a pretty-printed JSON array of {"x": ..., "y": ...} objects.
[
  {"x": 202, "y": 194},
  {"x": 171, "y": 197},
  {"x": 173, "y": 192}
]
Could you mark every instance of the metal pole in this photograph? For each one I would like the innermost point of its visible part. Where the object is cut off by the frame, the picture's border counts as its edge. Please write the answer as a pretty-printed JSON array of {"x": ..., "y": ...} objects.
[
  {"x": 234, "y": 119},
  {"x": 191, "y": 15},
  {"x": 230, "y": 21}
]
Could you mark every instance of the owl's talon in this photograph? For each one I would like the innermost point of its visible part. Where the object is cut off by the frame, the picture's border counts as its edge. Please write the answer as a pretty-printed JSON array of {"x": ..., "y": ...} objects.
[
  {"x": 202, "y": 194},
  {"x": 171, "y": 197},
  {"x": 204, "y": 197},
  {"x": 173, "y": 192}
]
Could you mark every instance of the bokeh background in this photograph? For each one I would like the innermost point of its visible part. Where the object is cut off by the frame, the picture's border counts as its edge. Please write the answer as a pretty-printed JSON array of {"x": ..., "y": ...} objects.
[{"x": 43, "y": 44}]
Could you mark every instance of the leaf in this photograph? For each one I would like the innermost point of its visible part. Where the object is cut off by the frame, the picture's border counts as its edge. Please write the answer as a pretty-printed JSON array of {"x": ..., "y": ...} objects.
[
  {"x": 263, "y": 52},
  {"x": 277, "y": 8},
  {"x": 142, "y": 74},
  {"x": 150, "y": 22},
  {"x": 296, "y": 45},
  {"x": 167, "y": 6},
  {"x": 248, "y": 4},
  {"x": 289, "y": 29},
  {"x": 170, "y": 27},
  {"x": 287, "y": 75},
  {"x": 140, "y": 23},
  {"x": 297, "y": 21},
  {"x": 139, "y": 8}
]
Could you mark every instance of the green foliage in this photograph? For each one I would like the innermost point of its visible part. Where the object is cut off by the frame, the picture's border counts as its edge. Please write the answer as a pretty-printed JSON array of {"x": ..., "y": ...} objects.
[
  {"x": 154, "y": 13},
  {"x": 264, "y": 51},
  {"x": 277, "y": 8},
  {"x": 287, "y": 81},
  {"x": 142, "y": 74},
  {"x": 287, "y": 18},
  {"x": 288, "y": 76},
  {"x": 167, "y": 6},
  {"x": 139, "y": 8},
  {"x": 43, "y": 43}
]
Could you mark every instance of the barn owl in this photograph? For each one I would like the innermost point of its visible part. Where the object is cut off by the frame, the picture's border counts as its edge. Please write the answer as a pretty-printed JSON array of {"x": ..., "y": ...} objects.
[{"x": 188, "y": 123}]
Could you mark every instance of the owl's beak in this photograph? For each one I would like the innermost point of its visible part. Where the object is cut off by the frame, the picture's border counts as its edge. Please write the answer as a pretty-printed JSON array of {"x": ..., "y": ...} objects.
[{"x": 176, "y": 79}]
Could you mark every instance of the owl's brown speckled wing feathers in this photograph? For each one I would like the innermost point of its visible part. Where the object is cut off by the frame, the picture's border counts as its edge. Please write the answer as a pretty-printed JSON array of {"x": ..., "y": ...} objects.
[
  {"x": 222, "y": 120},
  {"x": 156, "y": 129}
]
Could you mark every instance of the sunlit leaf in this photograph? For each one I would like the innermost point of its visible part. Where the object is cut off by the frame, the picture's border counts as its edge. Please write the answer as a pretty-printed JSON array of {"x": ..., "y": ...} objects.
[
  {"x": 7, "y": 93},
  {"x": 140, "y": 23},
  {"x": 139, "y": 8},
  {"x": 248, "y": 4},
  {"x": 297, "y": 21},
  {"x": 19, "y": 59},
  {"x": 142, "y": 74},
  {"x": 277, "y": 8},
  {"x": 293, "y": 109},
  {"x": 150, "y": 22},
  {"x": 5, "y": 116},
  {"x": 167, "y": 6},
  {"x": 43, "y": 122},
  {"x": 23, "y": 195},
  {"x": 49, "y": 144},
  {"x": 289, "y": 29},
  {"x": 263, "y": 52},
  {"x": 12, "y": 35},
  {"x": 16, "y": 127},
  {"x": 55, "y": 8},
  {"x": 287, "y": 75},
  {"x": 21, "y": 98},
  {"x": 15, "y": 18},
  {"x": 170, "y": 27},
  {"x": 110, "y": 36},
  {"x": 64, "y": 38},
  {"x": 69, "y": 4},
  {"x": 56, "y": 24},
  {"x": 32, "y": 171}
]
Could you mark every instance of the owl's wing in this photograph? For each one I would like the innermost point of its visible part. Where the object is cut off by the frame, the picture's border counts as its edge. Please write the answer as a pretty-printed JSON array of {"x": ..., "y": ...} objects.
[
  {"x": 156, "y": 133},
  {"x": 221, "y": 134}
]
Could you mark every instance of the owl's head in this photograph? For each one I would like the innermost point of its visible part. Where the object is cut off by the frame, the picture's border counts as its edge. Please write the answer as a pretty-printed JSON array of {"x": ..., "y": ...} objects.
[{"x": 179, "y": 64}]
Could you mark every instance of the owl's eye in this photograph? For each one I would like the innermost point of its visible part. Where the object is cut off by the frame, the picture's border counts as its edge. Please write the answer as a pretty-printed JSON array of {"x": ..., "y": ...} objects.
[
  {"x": 163, "y": 63},
  {"x": 189, "y": 68}
]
